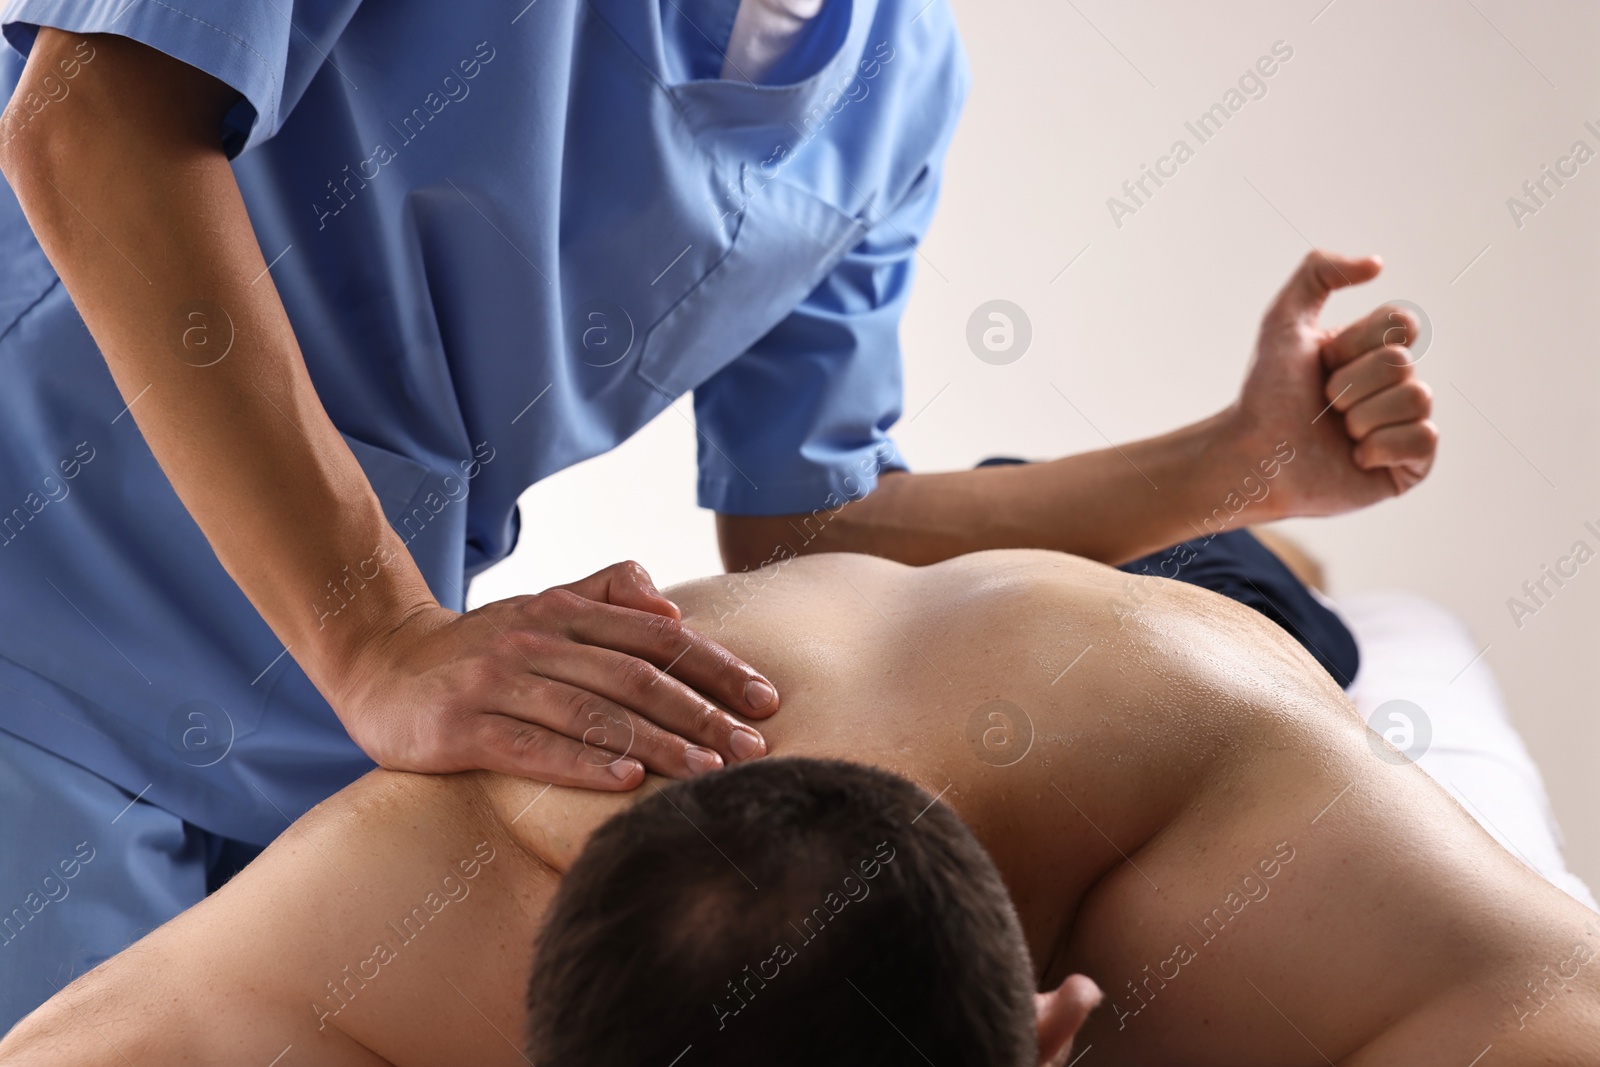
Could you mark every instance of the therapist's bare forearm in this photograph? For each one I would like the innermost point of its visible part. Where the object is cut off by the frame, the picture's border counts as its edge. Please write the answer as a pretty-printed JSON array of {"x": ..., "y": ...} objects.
[
  {"x": 1111, "y": 505},
  {"x": 136, "y": 206}
]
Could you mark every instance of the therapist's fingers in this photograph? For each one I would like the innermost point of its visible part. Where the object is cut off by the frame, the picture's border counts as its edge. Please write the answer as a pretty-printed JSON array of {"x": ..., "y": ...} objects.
[
  {"x": 1385, "y": 325},
  {"x": 1319, "y": 274},
  {"x": 1409, "y": 401},
  {"x": 1370, "y": 374},
  {"x": 627, "y": 585},
  {"x": 509, "y": 745},
  {"x": 609, "y": 733},
  {"x": 620, "y": 688},
  {"x": 671, "y": 727},
  {"x": 678, "y": 649}
]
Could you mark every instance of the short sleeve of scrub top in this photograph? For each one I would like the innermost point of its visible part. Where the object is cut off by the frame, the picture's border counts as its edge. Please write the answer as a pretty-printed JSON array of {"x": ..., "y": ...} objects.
[
  {"x": 831, "y": 373},
  {"x": 801, "y": 420},
  {"x": 265, "y": 51}
]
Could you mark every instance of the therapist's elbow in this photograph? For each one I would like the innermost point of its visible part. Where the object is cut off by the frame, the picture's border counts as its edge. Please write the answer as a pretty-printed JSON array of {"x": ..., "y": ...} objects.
[
  {"x": 37, "y": 164},
  {"x": 31, "y": 150},
  {"x": 38, "y": 134}
]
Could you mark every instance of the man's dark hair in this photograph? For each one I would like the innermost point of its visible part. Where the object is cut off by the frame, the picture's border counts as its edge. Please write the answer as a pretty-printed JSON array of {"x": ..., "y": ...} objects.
[{"x": 786, "y": 911}]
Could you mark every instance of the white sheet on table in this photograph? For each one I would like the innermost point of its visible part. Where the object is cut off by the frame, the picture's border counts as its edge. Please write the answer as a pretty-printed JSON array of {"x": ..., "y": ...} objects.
[{"x": 1413, "y": 649}]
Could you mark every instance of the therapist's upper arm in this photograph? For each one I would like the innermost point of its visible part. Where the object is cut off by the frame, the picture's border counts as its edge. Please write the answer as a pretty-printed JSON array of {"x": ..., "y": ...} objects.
[{"x": 99, "y": 101}]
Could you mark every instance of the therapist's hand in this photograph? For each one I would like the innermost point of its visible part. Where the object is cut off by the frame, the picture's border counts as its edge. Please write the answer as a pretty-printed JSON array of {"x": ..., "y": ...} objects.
[
  {"x": 584, "y": 684},
  {"x": 1348, "y": 402}
]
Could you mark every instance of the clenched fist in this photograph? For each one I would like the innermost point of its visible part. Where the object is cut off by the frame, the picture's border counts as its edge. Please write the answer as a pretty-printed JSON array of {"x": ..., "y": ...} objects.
[{"x": 1349, "y": 402}]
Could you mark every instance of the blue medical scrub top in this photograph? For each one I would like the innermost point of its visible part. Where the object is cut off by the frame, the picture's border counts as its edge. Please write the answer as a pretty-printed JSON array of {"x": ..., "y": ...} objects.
[{"x": 507, "y": 236}]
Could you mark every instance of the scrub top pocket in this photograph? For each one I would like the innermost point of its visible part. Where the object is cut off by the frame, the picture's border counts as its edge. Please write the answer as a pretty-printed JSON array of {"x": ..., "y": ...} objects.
[
  {"x": 786, "y": 243},
  {"x": 701, "y": 251}
]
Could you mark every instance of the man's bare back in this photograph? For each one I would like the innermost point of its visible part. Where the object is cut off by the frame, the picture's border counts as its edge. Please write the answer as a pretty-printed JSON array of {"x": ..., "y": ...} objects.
[{"x": 1182, "y": 804}]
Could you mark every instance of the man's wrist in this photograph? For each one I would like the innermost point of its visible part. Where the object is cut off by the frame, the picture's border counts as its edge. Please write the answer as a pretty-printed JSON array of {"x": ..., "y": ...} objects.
[{"x": 1239, "y": 464}]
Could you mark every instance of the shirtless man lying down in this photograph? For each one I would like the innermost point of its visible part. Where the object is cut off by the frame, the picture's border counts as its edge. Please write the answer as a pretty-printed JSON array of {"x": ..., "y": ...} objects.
[{"x": 1181, "y": 804}]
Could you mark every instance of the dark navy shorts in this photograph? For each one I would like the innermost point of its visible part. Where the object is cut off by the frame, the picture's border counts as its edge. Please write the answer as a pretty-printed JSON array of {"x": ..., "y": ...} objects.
[{"x": 1237, "y": 565}]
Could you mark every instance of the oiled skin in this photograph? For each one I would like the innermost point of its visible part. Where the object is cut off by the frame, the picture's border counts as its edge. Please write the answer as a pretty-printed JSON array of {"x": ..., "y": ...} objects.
[{"x": 1177, "y": 759}]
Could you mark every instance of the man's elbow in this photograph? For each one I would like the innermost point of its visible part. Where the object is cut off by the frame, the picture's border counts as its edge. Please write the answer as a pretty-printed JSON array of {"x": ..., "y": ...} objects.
[
  {"x": 751, "y": 541},
  {"x": 46, "y": 1038}
]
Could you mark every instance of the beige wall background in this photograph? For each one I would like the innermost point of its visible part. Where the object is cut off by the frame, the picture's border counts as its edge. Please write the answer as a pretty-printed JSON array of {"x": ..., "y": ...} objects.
[{"x": 1396, "y": 127}]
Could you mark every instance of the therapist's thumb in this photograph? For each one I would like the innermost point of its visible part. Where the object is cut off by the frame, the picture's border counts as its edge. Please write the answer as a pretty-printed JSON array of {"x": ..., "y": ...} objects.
[
  {"x": 1319, "y": 274},
  {"x": 625, "y": 585}
]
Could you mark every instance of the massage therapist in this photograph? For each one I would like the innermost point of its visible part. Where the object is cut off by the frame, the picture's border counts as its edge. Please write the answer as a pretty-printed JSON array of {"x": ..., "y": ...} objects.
[{"x": 297, "y": 297}]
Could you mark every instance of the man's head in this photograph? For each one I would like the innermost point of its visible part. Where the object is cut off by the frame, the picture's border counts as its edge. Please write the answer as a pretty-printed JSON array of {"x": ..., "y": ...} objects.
[{"x": 789, "y": 911}]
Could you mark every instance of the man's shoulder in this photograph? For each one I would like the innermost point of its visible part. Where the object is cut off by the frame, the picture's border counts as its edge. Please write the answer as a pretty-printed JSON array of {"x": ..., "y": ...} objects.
[
  {"x": 549, "y": 824},
  {"x": 384, "y": 800}
]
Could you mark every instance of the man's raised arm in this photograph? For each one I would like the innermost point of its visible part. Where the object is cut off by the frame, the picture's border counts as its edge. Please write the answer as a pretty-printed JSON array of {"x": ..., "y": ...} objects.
[{"x": 1326, "y": 422}]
